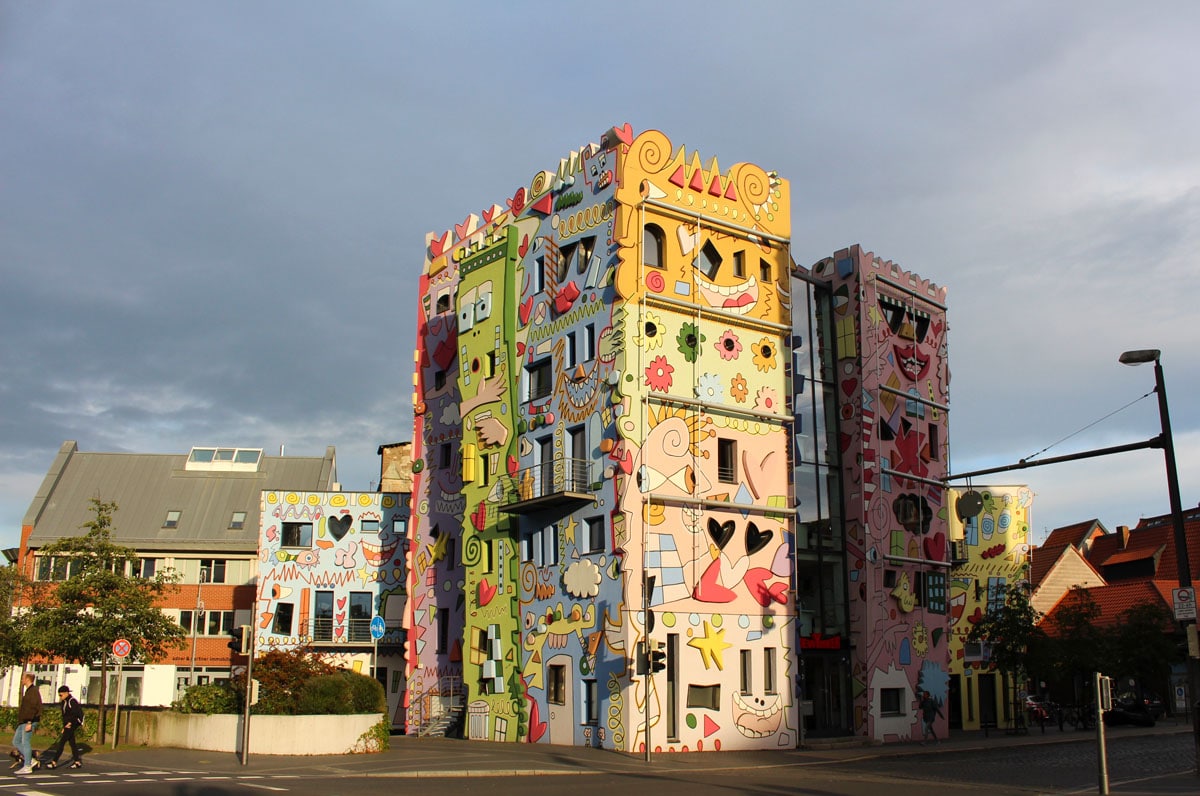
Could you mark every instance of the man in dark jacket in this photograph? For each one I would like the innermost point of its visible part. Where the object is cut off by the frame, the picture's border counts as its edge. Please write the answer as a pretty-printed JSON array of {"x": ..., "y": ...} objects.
[
  {"x": 72, "y": 719},
  {"x": 28, "y": 716}
]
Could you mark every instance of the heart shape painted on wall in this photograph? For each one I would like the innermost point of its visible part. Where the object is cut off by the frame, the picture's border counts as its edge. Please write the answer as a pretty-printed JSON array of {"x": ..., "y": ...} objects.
[
  {"x": 338, "y": 527},
  {"x": 755, "y": 539},
  {"x": 720, "y": 533}
]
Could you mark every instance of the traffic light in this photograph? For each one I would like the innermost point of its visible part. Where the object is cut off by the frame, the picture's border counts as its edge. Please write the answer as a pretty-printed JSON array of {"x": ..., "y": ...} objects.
[
  {"x": 640, "y": 659},
  {"x": 657, "y": 657},
  {"x": 240, "y": 643},
  {"x": 1106, "y": 693}
]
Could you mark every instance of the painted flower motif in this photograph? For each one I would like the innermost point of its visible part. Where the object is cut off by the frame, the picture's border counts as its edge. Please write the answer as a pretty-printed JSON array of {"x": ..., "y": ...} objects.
[
  {"x": 766, "y": 400},
  {"x": 658, "y": 374},
  {"x": 728, "y": 345},
  {"x": 737, "y": 388},
  {"x": 764, "y": 354},
  {"x": 651, "y": 335},
  {"x": 709, "y": 388},
  {"x": 689, "y": 340}
]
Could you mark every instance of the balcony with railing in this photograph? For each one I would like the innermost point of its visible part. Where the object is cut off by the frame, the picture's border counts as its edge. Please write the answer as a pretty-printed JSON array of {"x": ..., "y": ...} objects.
[
  {"x": 352, "y": 631},
  {"x": 562, "y": 483}
]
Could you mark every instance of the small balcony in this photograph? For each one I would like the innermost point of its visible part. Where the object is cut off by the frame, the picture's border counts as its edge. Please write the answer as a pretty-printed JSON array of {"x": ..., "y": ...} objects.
[
  {"x": 562, "y": 483},
  {"x": 353, "y": 631}
]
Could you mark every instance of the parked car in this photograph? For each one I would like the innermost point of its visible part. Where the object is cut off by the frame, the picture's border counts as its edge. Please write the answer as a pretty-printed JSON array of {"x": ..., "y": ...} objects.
[{"x": 1129, "y": 709}]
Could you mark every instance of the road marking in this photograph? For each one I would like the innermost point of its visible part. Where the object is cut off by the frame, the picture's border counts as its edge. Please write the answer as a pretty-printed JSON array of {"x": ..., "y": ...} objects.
[{"x": 263, "y": 787}]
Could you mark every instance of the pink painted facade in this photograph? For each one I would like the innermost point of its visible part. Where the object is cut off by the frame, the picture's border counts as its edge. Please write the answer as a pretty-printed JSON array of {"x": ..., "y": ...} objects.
[{"x": 892, "y": 378}]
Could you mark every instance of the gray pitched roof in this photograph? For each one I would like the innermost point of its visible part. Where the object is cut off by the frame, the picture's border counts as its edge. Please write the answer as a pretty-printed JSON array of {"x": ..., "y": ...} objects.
[{"x": 145, "y": 486}]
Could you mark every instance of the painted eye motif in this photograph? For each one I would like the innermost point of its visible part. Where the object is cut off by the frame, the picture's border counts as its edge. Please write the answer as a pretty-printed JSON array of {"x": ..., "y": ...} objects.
[{"x": 483, "y": 307}]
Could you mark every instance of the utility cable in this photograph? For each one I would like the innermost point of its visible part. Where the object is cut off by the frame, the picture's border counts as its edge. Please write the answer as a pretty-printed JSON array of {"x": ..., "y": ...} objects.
[{"x": 1089, "y": 425}]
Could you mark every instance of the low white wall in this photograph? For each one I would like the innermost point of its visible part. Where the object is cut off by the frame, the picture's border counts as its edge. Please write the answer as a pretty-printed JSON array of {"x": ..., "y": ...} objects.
[{"x": 269, "y": 735}]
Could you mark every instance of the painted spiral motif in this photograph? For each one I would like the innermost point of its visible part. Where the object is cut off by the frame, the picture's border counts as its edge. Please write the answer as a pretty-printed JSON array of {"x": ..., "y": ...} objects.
[
  {"x": 753, "y": 184},
  {"x": 472, "y": 550},
  {"x": 651, "y": 151}
]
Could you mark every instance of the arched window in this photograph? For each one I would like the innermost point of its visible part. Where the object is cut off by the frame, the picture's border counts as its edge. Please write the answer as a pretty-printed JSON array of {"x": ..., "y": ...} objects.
[{"x": 652, "y": 246}]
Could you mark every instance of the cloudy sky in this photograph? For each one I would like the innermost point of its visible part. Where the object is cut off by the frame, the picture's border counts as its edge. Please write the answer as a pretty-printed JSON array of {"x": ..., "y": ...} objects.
[{"x": 212, "y": 215}]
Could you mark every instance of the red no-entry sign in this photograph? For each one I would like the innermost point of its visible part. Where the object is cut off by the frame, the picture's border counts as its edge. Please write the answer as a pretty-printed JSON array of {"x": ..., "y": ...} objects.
[{"x": 121, "y": 648}]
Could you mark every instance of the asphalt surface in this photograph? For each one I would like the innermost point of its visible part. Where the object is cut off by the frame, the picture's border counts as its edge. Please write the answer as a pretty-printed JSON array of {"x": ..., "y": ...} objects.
[{"x": 443, "y": 757}]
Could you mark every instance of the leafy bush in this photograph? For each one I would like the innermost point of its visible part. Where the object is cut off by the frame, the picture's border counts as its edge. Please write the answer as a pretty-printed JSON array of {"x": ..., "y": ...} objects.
[
  {"x": 51, "y": 723},
  {"x": 208, "y": 698},
  {"x": 340, "y": 693},
  {"x": 367, "y": 694}
]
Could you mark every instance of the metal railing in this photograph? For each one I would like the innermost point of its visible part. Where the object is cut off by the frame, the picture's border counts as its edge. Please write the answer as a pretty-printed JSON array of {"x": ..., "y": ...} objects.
[
  {"x": 442, "y": 702},
  {"x": 550, "y": 478},
  {"x": 354, "y": 631}
]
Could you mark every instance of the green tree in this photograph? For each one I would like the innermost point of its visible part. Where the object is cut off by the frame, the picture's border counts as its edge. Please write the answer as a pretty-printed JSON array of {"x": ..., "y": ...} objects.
[
  {"x": 103, "y": 600},
  {"x": 1011, "y": 631},
  {"x": 1078, "y": 646},
  {"x": 14, "y": 588},
  {"x": 1143, "y": 645}
]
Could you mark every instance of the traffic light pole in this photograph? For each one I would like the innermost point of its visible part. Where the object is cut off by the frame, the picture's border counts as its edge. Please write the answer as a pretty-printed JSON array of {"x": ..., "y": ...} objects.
[
  {"x": 647, "y": 585},
  {"x": 249, "y": 685}
]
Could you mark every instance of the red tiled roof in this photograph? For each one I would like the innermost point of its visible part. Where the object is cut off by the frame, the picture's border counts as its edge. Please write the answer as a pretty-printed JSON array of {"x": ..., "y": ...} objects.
[
  {"x": 1113, "y": 600},
  {"x": 1137, "y": 554},
  {"x": 1073, "y": 535}
]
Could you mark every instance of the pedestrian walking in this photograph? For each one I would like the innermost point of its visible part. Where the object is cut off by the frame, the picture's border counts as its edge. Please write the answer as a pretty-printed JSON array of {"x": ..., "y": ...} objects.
[
  {"x": 29, "y": 715},
  {"x": 929, "y": 712},
  {"x": 72, "y": 720}
]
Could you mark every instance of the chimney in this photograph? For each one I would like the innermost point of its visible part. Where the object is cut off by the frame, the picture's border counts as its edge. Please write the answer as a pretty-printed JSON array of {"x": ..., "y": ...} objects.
[{"x": 1124, "y": 531}]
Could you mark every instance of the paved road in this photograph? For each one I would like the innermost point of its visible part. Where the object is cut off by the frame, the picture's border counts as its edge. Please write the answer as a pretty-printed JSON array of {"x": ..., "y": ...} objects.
[{"x": 1156, "y": 761}]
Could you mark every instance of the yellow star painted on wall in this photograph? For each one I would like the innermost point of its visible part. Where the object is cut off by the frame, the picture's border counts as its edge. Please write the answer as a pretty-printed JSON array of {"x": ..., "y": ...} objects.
[
  {"x": 712, "y": 646},
  {"x": 439, "y": 547},
  {"x": 569, "y": 530}
]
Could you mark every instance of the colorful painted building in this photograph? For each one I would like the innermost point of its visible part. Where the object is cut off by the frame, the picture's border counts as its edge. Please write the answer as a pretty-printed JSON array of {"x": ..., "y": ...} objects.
[
  {"x": 893, "y": 385},
  {"x": 330, "y": 564},
  {"x": 990, "y": 552},
  {"x": 626, "y": 442}
]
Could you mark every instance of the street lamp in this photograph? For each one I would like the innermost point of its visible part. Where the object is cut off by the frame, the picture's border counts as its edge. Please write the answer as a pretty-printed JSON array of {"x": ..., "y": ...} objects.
[{"x": 1141, "y": 357}]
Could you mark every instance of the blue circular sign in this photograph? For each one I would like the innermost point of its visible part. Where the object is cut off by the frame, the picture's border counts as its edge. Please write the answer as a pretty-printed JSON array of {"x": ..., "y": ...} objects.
[{"x": 377, "y": 628}]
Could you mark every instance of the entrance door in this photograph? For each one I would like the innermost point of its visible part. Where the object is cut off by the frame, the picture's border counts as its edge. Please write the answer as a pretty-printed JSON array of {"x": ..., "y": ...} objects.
[
  {"x": 561, "y": 699},
  {"x": 987, "y": 700},
  {"x": 954, "y": 702},
  {"x": 826, "y": 686}
]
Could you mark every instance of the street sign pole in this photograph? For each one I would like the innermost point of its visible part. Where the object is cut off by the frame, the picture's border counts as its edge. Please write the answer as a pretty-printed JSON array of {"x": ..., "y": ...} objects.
[
  {"x": 120, "y": 649},
  {"x": 378, "y": 628}
]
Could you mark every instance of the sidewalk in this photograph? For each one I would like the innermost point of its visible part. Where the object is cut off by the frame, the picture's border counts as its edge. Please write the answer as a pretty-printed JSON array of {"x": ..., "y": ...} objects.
[{"x": 443, "y": 757}]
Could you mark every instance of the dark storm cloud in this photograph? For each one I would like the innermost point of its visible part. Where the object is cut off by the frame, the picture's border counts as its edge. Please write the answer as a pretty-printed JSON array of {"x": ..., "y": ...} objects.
[{"x": 212, "y": 215}]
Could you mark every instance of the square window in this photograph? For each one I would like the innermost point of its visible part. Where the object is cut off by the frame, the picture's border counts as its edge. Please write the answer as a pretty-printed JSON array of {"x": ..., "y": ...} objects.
[
  {"x": 538, "y": 381},
  {"x": 172, "y": 520},
  {"x": 765, "y": 271},
  {"x": 147, "y": 567},
  {"x": 595, "y": 535},
  {"x": 890, "y": 701},
  {"x": 212, "y": 570},
  {"x": 444, "y": 456},
  {"x": 727, "y": 461},
  {"x": 704, "y": 696},
  {"x": 439, "y": 380},
  {"x": 297, "y": 534},
  {"x": 283, "y": 619},
  {"x": 369, "y": 526},
  {"x": 739, "y": 264},
  {"x": 238, "y": 521}
]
